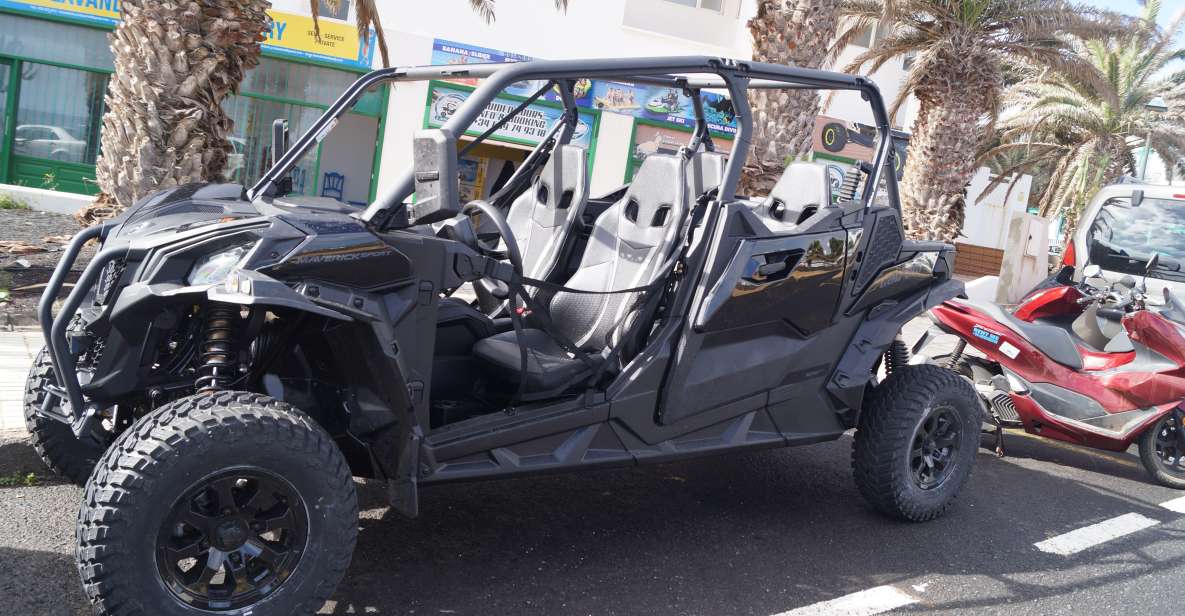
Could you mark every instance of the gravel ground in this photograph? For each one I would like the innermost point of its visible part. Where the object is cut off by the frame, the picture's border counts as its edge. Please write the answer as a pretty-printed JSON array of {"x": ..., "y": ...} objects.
[{"x": 24, "y": 275}]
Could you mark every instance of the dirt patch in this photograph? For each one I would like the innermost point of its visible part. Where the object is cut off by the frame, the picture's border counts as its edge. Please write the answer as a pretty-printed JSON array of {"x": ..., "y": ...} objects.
[{"x": 30, "y": 245}]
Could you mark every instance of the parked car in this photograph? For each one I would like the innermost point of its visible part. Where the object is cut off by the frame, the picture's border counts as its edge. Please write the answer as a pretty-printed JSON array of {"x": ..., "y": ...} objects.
[
  {"x": 44, "y": 141},
  {"x": 231, "y": 357}
]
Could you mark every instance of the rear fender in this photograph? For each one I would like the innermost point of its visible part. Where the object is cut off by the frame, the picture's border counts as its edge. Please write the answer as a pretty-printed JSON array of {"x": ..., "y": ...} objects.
[{"x": 854, "y": 372}]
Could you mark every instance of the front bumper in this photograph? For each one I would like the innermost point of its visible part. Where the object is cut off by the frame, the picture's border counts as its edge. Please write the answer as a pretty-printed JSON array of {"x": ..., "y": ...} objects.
[{"x": 69, "y": 389}]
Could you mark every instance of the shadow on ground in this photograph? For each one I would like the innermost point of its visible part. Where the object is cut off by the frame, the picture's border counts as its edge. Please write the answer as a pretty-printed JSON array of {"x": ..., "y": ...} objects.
[{"x": 750, "y": 534}]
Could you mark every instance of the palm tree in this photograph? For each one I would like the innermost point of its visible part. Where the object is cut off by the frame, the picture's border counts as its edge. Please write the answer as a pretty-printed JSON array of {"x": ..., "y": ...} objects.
[
  {"x": 962, "y": 47},
  {"x": 175, "y": 63},
  {"x": 797, "y": 33},
  {"x": 1080, "y": 130}
]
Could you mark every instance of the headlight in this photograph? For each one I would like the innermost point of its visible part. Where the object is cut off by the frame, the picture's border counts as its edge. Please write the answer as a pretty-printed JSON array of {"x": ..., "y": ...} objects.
[{"x": 213, "y": 269}]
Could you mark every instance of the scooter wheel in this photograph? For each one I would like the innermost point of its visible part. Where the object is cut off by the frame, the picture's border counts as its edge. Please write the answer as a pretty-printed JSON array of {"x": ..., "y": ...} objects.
[
  {"x": 916, "y": 442},
  {"x": 1161, "y": 453}
]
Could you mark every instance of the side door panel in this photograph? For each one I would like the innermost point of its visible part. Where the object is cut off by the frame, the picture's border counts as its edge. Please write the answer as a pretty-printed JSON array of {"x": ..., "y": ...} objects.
[{"x": 764, "y": 325}]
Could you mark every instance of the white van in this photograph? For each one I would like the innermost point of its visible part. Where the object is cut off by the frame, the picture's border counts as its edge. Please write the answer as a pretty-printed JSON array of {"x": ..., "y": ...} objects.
[{"x": 1124, "y": 226}]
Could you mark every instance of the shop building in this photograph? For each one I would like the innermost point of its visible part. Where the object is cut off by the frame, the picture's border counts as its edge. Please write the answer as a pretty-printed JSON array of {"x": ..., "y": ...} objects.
[{"x": 54, "y": 66}]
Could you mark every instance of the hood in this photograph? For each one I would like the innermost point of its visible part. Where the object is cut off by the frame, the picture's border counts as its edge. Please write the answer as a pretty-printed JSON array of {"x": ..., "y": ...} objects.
[{"x": 184, "y": 207}]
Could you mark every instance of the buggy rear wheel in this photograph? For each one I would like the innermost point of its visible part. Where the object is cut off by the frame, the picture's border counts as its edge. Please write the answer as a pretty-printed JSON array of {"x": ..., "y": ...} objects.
[
  {"x": 225, "y": 503},
  {"x": 53, "y": 441},
  {"x": 916, "y": 442}
]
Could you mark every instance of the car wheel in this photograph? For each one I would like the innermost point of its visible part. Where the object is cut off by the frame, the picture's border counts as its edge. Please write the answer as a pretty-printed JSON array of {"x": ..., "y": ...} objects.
[
  {"x": 1162, "y": 454},
  {"x": 916, "y": 442},
  {"x": 61, "y": 451},
  {"x": 228, "y": 502}
]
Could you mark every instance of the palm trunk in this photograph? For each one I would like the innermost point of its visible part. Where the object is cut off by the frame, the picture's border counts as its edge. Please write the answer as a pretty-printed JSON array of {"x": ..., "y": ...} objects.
[
  {"x": 945, "y": 137},
  {"x": 798, "y": 33},
  {"x": 175, "y": 62}
]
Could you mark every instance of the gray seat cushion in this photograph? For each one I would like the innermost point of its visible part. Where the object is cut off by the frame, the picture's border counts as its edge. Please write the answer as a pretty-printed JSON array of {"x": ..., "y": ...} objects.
[
  {"x": 548, "y": 366},
  {"x": 705, "y": 172}
]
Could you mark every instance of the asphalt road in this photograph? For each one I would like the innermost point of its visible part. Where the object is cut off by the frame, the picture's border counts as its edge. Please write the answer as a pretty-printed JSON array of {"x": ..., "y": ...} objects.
[{"x": 761, "y": 533}]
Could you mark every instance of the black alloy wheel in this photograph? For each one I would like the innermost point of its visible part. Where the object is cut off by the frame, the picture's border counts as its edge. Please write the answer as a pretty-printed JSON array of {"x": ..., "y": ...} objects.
[
  {"x": 1162, "y": 450},
  {"x": 232, "y": 539},
  {"x": 935, "y": 446}
]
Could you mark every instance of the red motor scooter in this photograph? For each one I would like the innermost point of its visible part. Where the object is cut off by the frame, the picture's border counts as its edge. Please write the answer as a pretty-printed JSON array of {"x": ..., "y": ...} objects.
[{"x": 1087, "y": 363}]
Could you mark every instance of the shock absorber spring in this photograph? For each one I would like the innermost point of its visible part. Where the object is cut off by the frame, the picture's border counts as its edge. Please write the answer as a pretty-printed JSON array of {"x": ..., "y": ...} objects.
[
  {"x": 897, "y": 357},
  {"x": 217, "y": 356}
]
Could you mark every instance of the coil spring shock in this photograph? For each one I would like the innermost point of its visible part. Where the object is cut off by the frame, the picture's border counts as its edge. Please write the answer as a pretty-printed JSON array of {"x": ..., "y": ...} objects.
[
  {"x": 217, "y": 352},
  {"x": 957, "y": 354},
  {"x": 897, "y": 357}
]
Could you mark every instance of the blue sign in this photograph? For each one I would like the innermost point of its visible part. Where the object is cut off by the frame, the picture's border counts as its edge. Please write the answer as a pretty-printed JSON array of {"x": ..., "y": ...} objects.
[{"x": 529, "y": 127}]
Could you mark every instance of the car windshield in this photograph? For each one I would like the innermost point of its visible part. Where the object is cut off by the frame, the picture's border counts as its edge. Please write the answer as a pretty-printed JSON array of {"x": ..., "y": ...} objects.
[{"x": 1124, "y": 238}]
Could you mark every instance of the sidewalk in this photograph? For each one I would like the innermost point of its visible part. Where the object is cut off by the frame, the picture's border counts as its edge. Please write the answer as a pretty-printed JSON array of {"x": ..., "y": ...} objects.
[{"x": 16, "y": 356}]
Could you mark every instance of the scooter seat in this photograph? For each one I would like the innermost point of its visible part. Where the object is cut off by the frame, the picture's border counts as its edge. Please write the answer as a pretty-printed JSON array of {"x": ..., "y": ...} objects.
[{"x": 1055, "y": 342}]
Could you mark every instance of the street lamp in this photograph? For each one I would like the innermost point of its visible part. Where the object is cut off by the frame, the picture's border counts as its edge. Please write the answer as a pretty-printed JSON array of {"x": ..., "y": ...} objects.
[{"x": 1157, "y": 104}]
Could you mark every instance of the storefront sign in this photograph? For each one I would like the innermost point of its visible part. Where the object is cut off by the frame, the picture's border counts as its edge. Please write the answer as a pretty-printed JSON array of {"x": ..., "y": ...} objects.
[
  {"x": 528, "y": 127},
  {"x": 291, "y": 35},
  {"x": 92, "y": 11},
  {"x": 294, "y": 35}
]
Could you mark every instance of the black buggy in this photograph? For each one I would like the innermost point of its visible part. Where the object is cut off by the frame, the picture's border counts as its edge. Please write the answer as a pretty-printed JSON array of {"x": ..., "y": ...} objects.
[{"x": 232, "y": 357}]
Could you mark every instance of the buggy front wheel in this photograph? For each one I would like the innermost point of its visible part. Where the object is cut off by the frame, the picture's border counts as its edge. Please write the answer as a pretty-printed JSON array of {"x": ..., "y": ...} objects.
[
  {"x": 229, "y": 502},
  {"x": 916, "y": 442}
]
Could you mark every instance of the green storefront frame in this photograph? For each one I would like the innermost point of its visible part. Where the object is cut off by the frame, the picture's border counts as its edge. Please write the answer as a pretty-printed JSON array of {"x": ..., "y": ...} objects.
[{"x": 79, "y": 178}]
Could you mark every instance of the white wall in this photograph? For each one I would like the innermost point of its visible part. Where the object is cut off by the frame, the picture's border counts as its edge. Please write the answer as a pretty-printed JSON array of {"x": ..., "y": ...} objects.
[
  {"x": 988, "y": 215},
  {"x": 349, "y": 150}
]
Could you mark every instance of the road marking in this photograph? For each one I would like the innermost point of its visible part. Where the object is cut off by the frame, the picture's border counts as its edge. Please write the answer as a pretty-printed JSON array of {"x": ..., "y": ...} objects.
[
  {"x": 864, "y": 603},
  {"x": 1177, "y": 504},
  {"x": 1089, "y": 536}
]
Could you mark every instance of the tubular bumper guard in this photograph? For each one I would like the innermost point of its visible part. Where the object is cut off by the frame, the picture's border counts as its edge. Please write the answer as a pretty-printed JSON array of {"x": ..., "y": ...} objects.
[{"x": 77, "y": 414}]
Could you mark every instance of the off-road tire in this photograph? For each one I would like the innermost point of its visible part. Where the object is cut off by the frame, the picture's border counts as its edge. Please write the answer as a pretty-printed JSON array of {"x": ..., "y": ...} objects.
[
  {"x": 149, "y": 466},
  {"x": 884, "y": 439},
  {"x": 64, "y": 454},
  {"x": 1147, "y": 446}
]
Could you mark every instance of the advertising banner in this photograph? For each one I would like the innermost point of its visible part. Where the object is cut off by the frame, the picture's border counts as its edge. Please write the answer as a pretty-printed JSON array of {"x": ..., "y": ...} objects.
[
  {"x": 647, "y": 102},
  {"x": 291, "y": 35},
  {"x": 527, "y": 128}
]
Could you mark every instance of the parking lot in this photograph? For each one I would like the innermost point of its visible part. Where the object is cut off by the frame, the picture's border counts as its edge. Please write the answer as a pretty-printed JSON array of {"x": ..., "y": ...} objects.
[{"x": 764, "y": 533}]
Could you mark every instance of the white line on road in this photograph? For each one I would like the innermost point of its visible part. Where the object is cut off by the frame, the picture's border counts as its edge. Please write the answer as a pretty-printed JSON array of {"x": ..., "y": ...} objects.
[
  {"x": 864, "y": 603},
  {"x": 1177, "y": 504},
  {"x": 1089, "y": 536}
]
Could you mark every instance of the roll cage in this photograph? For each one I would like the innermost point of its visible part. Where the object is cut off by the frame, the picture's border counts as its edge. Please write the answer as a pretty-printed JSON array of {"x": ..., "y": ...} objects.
[{"x": 690, "y": 74}]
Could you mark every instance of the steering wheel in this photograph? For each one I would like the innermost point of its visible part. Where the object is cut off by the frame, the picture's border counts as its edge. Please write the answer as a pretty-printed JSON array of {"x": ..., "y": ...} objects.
[{"x": 495, "y": 215}]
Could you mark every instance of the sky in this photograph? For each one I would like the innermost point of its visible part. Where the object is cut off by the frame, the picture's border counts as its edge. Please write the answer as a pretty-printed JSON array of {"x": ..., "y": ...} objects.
[{"x": 1168, "y": 8}]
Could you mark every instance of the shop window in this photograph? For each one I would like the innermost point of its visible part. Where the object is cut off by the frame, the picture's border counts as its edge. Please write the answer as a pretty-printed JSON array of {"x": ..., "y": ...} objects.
[
  {"x": 54, "y": 42},
  {"x": 305, "y": 83},
  {"x": 251, "y": 140},
  {"x": 59, "y": 114}
]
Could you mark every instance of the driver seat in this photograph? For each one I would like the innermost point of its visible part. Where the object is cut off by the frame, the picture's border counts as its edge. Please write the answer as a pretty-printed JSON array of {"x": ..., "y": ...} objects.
[
  {"x": 629, "y": 243},
  {"x": 543, "y": 216}
]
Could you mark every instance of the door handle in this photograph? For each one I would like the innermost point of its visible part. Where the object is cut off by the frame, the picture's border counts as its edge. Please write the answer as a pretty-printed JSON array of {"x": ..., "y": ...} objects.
[{"x": 772, "y": 269}]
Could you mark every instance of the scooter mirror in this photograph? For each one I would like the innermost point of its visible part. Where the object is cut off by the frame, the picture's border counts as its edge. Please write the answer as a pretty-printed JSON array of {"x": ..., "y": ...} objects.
[{"x": 1092, "y": 271}]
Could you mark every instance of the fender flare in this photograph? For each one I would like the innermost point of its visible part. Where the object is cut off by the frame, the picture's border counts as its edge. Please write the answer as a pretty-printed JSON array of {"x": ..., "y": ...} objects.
[{"x": 854, "y": 370}]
